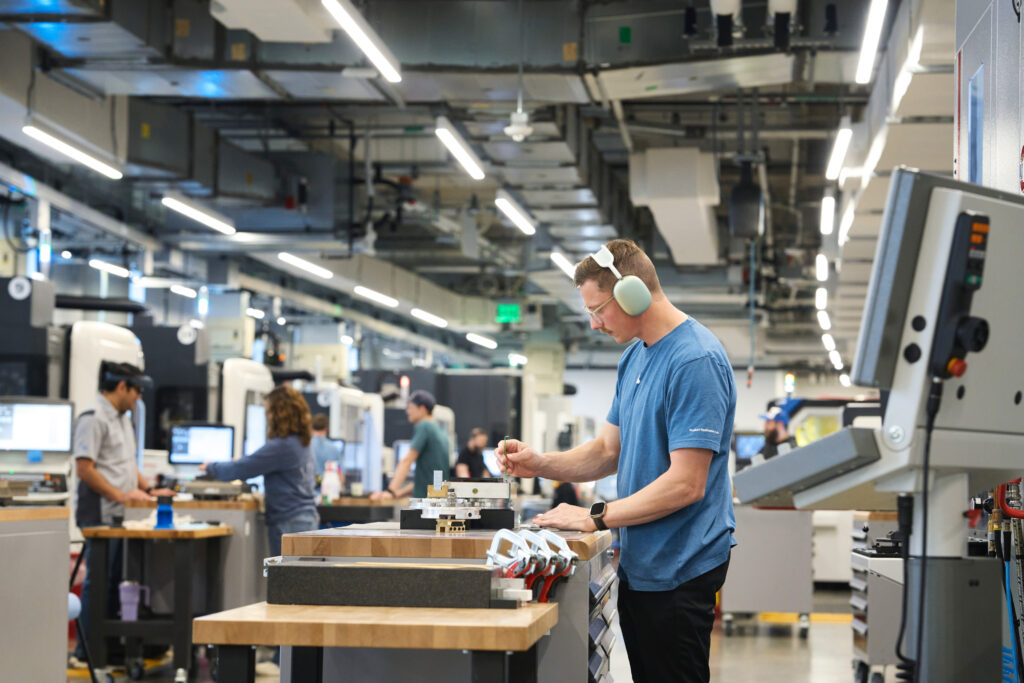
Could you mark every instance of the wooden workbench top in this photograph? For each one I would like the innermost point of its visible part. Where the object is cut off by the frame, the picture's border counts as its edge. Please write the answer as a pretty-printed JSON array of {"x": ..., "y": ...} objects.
[
  {"x": 158, "y": 534},
  {"x": 398, "y": 627},
  {"x": 199, "y": 504},
  {"x": 387, "y": 540},
  {"x": 364, "y": 501},
  {"x": 32, "y": 513}
]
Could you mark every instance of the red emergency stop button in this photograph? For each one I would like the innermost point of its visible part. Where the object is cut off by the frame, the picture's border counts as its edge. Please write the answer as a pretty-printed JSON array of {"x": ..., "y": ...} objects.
[{"x": 957, "y": 367}]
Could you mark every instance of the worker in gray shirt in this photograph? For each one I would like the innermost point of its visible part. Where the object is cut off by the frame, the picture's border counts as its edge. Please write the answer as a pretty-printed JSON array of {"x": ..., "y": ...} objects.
[{"x": 108, "y": 475}]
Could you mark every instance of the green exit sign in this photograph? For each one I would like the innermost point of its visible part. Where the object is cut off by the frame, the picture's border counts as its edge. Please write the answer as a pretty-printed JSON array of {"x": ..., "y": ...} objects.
[{"x": 509, "y": 313}]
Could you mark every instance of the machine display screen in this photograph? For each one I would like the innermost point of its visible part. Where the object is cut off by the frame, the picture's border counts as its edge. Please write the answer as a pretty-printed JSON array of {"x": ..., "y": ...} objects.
[
  {"x": 401, "y": 449},
  {"x": 196, "y": 444},
  {"x": 491, "y": 462},
  {"x": 255, "y": 429},
  {"x": 35, "y": 426}
]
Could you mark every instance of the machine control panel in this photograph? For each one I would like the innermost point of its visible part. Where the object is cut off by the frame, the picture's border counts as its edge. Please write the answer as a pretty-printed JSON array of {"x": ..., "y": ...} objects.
[{"x": 957, "y": 332}]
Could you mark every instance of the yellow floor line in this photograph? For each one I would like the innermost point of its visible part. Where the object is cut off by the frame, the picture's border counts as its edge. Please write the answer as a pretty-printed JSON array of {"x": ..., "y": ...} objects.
[{"x": 793, "y": 617}]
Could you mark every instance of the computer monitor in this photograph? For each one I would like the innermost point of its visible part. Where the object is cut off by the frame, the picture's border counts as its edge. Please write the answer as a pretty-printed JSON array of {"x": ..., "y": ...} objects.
[
  {"x": 196, "y": 443},
  {"x": 401, "y": 449},
  {"x": 491, "y": 462},
  {"x": 35, "y": 424},
  {"x": 748, "y": 445}
]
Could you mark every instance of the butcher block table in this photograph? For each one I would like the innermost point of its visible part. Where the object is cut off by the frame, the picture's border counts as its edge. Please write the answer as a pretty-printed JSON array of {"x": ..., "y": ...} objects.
[
  {"x": 501, "y": 643},
  {"x": 576, "y": 649}
]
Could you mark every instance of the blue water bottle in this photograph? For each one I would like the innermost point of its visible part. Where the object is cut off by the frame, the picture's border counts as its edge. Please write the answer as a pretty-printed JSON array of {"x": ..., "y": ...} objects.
[{"x": 164, "y": 513}]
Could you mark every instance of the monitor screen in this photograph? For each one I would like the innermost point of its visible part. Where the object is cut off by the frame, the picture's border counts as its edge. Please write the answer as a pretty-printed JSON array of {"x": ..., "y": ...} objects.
[
  {"x": 401, "y": 449},
  {"x": 35, "y": 425},
  {"x": 255, "y": 428},
  {"x": 748, "y": 445},
  {"x": 491, "y": 462},
  {"x": 196, "y": 444}
]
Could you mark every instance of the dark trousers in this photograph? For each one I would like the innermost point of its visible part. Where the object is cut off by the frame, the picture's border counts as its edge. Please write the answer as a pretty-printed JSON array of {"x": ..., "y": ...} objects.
[
  {"x": 668, "y": 633},
  {"x": 113, "y": 579}
]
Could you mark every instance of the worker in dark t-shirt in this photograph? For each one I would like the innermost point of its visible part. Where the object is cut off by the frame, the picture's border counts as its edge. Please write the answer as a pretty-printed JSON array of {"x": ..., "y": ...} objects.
[{"x": 471, "y": 458}]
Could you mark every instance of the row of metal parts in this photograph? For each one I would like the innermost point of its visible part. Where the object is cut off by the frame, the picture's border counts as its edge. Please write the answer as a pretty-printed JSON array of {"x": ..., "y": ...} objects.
[{"x": 530, "y": 563}]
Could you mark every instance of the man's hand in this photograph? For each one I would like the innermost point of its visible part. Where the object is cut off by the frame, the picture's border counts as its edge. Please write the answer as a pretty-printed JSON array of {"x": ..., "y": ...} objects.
[
  {"x": 162, "y": 492},
  {"x": 565, "y": 516},
  {"x": 202, "y": 468},
  {"x": 520, "y": 460},
  {"x": 377, "y": 495},
  {"x": 136, "y": 494}
]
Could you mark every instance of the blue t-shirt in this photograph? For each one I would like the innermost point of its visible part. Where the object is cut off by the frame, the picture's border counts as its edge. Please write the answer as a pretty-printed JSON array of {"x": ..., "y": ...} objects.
[
  {"x": 288, "y": 472},
  {"x": 677, "y": 393}
]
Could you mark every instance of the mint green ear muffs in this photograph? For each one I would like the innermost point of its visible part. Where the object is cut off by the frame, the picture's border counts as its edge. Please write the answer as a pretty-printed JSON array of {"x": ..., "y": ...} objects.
[{"x": 630, "y": 292}]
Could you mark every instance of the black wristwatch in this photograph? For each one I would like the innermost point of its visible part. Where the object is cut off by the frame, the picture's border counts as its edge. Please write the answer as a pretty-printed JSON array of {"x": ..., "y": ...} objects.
[{"x": 597, "y": 511}]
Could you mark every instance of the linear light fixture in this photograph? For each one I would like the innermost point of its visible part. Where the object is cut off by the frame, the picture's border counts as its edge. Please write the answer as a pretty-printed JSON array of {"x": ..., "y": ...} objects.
[
  {"x": 347, "y": 340},
  {"x": 189, "y": 209},
  {"x": 559, "y": 259},
  {"x": 823, "y": 321},
  {"x": 837, "y": 360},
  {"x": 828, "y": 341},
  {"x": 426, "y": 317},
  {"x": 376, "y": 297},
  {"x": 839, "y": 149},
  {"x": 828, "y": 214},
  {"x": 869, "y": 44},
  {"x": 107, "y": 267},
  {"x": 845, "y": 224},
  {"x": 281, "y": 320},
  {"x": 459, "y": 148},
  {"x": 515, "y": 213},
  {"x": 72, "y": 153},
  {"x": 182, "y": 290},
  {"x": 821, "y": 268},
  {"x": 66, "y": 255},
  {"x": 196, "y": 323},
  {"x": 303, "y": 264},
  {"x": 844, "y": 379},
  {"x": 481, "y": 340},
  {"x": 517, "y": 359},
  {"x": 821, "y": 298},
  {"x": 255, "y": 313},
  {"x": 352, "y": 22}
]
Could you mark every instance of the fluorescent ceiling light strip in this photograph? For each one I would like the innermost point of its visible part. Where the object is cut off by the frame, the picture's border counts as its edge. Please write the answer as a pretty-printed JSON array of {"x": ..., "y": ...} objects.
[
  {"x": 109, "y": 267},
  {"x": 182, "y": 290},
  {"x": 821, "y": 298},
  {"x": 839, "y": 149},
  {"x": 559, "y": 259},
  {"x": 828, "y": 214},
  {"x": 515, "y": 213},
  {"x": 872, "y": 34},
  {"x": 282, "y": 320},
  {"x": 458, "y": 147},
  {"x": 255, "y": 313},
  {"x": 376, "y": 297},
  {"x": 72, "y": 153},
  {"x": 347, "y": 340},
  {"x": 821, "y": 267},
  {"x": 823, "y": 321},
  {"x": 517, "y": 359},
  {"x": 837, "y": 360},
  {"x": 353, "y": 23},
  {"x": 829, "y": 342},
  {"x": 303, "y": 264},
  {"x": 844, "y": 379},
  {"x": 481, "y": 340},
  {"x": 426, "y": 317},
  {"x": 187, "y": 209}
]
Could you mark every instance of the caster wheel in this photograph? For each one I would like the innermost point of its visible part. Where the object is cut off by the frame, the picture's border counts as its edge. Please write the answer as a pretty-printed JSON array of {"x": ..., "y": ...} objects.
[
  {"x": 877, "y": 678},
  {"x": 860, "y": 672}
]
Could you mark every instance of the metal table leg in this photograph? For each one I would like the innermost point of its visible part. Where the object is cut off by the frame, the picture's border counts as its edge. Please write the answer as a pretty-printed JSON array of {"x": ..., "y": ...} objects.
[
  {"x": 508, "y": 667},
  {"x": 236, "y": 663},
  {"x": 308, "y": 664},
  {"x": 98, "y": 569},
  {"x": 184, "y": 554}
]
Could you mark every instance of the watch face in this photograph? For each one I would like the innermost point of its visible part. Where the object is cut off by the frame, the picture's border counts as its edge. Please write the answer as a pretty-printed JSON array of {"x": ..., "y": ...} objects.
[{"x": 598, "y": 508}]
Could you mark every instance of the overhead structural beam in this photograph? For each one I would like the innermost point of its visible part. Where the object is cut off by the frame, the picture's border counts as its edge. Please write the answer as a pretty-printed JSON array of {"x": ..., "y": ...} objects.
[
  {"x": 13, "y": 178},
  {"x": 312, "y": 303}
]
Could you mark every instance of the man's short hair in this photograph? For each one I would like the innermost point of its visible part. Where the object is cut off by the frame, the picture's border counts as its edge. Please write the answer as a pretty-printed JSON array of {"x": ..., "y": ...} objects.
[
  {"x": 112, "y": 374},
  {"x": 629, "y": 259},
  {"x": 477, "y": 432},
  {"x": 320, "y": 422},
  {"x": 425, "y": 399}
]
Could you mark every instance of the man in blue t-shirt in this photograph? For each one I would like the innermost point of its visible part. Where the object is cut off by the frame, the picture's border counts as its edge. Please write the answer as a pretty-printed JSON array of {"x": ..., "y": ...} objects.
[{"x": 667, "y": 437}]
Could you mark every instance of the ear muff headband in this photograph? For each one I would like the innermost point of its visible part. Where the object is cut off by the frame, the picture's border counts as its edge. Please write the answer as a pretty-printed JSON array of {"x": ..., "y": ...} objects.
[{"x": 630, "y": 292}]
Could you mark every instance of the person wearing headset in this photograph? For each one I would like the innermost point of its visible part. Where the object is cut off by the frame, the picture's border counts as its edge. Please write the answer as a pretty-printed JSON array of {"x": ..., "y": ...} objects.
[{"x": 667, "y": 436}]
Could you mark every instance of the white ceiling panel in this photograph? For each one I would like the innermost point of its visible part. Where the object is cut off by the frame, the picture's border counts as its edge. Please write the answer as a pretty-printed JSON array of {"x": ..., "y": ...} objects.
[
  {"x": 567, "y": 215},
  {"x": 583, "y": 232},
  {"x": 490, "y": 87},
  {"x": 694, "y": 77},
  {"x": 210, "y": 84},
  {"x": 496, "y": 129},
  {"x": 929, "y": 94},
  {"x": 526, "y": 152},
  {"x": 543, "y": 175},
  {"x": 873, "y": 196},
  {"x": 866, "y": 226},
  {"x": 927, "y": 146},
  {"x": 860, "y": 249},
  {"x": 582, "y": 196},
  {"x": 324, "y": 85}
]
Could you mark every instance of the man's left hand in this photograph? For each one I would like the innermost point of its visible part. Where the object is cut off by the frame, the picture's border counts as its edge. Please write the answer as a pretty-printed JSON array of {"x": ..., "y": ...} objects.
[
  {"x": 162, "y": 492},
  {"x": 568, "y": 517}
]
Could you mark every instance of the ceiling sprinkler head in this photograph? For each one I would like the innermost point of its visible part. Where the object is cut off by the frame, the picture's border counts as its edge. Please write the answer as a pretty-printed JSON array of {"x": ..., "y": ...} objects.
[{"x": 520, "y": 127}]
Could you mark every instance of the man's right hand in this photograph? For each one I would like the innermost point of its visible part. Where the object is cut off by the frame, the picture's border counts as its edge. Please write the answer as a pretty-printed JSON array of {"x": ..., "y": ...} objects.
[
  {"x": 520, "y": 460},
  {"x": 137, "y": 494}
]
